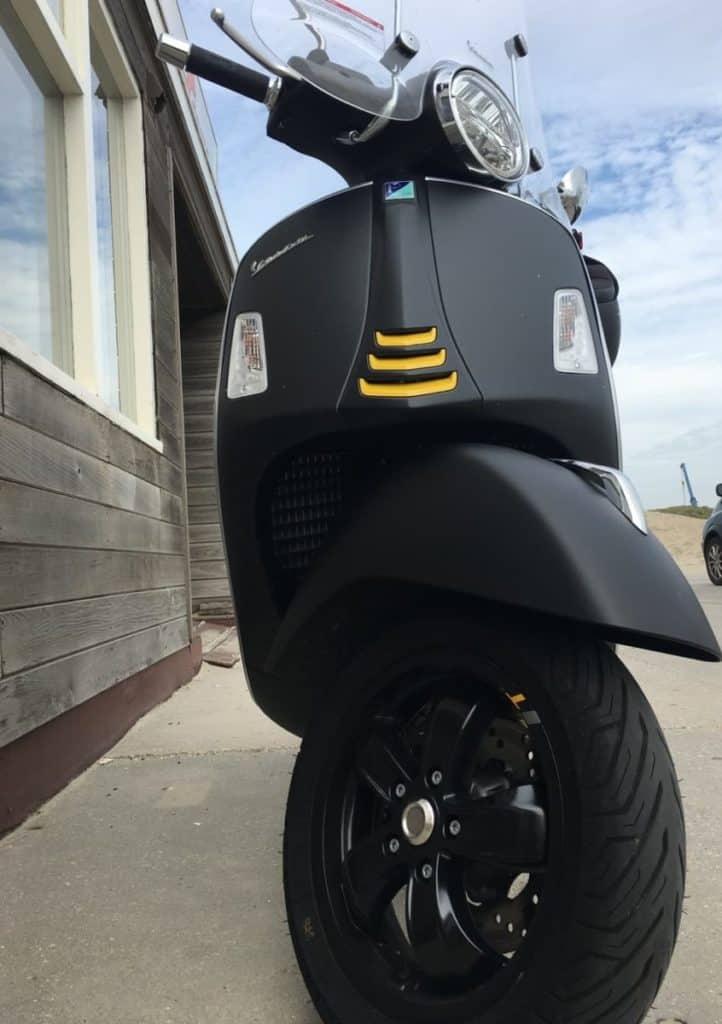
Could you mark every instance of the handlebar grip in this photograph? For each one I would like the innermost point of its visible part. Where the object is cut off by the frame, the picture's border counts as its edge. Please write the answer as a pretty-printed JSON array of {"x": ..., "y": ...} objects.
[{"x": 214, "y": 68}]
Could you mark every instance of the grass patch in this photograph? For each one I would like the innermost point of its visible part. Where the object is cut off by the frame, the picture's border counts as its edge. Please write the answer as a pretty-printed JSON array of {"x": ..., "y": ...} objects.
[{"x": 701, "y": 512}]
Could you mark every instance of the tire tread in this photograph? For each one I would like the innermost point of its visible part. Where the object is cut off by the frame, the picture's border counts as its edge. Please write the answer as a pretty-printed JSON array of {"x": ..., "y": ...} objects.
[
  {"x": 629, "y": 882},
  {"x": 621, "y": 756}
]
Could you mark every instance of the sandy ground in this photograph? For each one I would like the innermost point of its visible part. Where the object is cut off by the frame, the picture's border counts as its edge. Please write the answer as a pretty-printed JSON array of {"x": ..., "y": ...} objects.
[{"x": 681, "y": 535}]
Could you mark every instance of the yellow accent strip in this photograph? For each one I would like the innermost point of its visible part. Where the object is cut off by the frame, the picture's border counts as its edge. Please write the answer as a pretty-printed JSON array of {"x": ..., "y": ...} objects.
[
  {"x": 412, "y": 389},
  {"x": 518, "y": 698},
  {"x": 406, "y": 340},
  {"x": 408, "y": 363}
]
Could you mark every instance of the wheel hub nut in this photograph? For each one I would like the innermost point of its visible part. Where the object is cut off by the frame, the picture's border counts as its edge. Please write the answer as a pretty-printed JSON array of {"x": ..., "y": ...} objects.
[
  {"x": 394, "y": 845},
  {"x": 454, "y": 827},
  {"x": 400, "y": 790},
  {"x": 418, "y": 821},
  {"x": 427, "y": 871},
  {"x": 436, "y": 778}
]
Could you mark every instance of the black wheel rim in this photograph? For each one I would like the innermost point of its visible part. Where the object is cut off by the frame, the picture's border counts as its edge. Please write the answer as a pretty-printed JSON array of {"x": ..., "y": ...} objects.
[
  {"x": 437, "y": 839},
  {"x": 714, "y": 561}
]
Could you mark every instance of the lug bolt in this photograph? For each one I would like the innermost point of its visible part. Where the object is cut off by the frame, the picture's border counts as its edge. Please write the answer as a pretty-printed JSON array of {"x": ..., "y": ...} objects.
[
  {"x": 426, "y": 872},
  {"x": 436, "y": 778},
  {"x": 454, "y": 827},
  {"x": 400, "y": 791},
  {"x": 394, "y": 845}
]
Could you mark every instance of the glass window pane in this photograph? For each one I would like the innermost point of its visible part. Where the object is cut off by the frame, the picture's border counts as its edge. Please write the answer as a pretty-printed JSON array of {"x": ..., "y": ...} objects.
[
  {"x": 33, "y": 286},
  {"x": 108, "y": 341},
  {"x": 56, "y": 6}
]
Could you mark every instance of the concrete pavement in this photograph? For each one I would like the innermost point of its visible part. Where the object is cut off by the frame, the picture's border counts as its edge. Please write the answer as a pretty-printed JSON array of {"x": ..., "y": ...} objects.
[{"x": 149, "y": 891}]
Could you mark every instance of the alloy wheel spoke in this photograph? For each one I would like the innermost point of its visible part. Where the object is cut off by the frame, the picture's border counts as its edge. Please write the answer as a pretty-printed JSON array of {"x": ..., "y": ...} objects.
[
  {"x": 512, "y": 832},
  {"x": 447, "y": 732},
  {"x": 373, "y": 876},
  {"x": 505, "y": 922},
  {"x": 383, "y": 763},
  {"x": 441, "y": 932}
]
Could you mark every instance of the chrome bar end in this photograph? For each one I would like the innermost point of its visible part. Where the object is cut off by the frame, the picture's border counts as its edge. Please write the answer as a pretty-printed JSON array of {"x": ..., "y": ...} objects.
[{"x": 173, "y": 51}]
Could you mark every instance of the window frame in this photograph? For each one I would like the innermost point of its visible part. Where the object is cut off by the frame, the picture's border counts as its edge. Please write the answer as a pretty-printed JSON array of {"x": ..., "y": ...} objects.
[
  {"x": 56, "y": 187},
  {"x": 65, "y": 51},
  {"x": 130, "y": 220}
]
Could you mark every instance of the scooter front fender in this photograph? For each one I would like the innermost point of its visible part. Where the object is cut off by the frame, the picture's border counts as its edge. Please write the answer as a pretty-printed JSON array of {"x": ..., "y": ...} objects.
[{"x": 516, "y": 530}]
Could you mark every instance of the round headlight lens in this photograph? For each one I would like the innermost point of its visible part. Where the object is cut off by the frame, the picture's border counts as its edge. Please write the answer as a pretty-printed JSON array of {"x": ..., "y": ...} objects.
[{"x": 489, "y": 125}]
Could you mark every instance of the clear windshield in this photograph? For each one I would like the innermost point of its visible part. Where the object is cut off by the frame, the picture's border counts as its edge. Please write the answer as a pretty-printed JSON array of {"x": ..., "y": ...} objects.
[{"x": 347, "y": 49}]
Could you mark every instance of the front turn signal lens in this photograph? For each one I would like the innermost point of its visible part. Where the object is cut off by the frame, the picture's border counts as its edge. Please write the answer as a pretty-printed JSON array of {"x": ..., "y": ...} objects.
[
  {"x": 574, "y": 350},
  {"x": 247, "y": 369}
]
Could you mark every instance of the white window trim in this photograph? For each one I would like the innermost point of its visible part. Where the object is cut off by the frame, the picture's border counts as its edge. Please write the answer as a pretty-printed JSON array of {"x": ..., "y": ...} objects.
[
  {"x": 66, "y": 54},
  {"x": 21, "y": 352},
  {"x": 58, "y": 236},
  {"x": 51, "y": 43},
  {"x": 83, "y": 241},
  {"x": 130, "y": 226}
]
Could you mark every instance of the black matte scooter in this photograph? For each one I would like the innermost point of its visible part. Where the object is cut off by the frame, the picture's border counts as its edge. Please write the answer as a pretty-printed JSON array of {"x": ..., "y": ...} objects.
[{"x": 433, "y": 551}]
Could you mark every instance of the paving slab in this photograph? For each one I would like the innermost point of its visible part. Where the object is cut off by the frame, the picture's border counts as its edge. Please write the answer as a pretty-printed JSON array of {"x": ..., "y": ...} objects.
[
  {"x": 149, "y": 892},
  {"x": 215, "y": 713}
]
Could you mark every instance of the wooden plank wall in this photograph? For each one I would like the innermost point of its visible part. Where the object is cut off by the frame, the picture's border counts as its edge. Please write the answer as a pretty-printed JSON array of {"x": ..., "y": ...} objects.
[
  {"x": 93, "y": 572},
  {"x": 200, "y": 345}
]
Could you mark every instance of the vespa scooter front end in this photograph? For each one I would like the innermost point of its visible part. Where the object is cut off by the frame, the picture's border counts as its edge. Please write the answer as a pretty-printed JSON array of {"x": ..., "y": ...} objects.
[
  {"x": 399, "y": 320},
  {"x": 431, "y": 544}
]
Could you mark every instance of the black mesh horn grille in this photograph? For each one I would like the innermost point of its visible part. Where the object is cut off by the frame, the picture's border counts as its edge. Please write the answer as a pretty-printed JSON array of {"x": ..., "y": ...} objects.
[{"x": 307, "y": 499}]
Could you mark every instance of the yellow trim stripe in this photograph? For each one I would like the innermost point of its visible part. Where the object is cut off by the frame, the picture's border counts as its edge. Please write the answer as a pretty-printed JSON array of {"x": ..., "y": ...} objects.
[
  {"x": 518, "y": 698},
  {"x": 409, "y": 363},
  {"x": 406, "y": 340},
  {"x": 412, "y": 389}
]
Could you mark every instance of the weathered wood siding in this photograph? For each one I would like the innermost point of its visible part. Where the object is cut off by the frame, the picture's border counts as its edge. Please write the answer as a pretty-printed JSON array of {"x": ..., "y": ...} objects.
[
  {"x": 200, "y": 344},
  {"x": 93, "y": 573},
  {"x": 94, "y": 570}
]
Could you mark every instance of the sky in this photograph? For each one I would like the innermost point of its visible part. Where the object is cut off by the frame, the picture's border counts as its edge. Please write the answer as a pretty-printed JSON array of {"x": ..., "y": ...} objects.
[
  {"x": 631, "y": 89},
  {"x": 25, "y": 278}
]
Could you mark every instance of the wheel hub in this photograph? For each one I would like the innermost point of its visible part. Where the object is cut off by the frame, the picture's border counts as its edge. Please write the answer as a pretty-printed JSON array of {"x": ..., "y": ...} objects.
[
  {"x": 418, "y": 822},
  {"x": 444, "y": 832}
]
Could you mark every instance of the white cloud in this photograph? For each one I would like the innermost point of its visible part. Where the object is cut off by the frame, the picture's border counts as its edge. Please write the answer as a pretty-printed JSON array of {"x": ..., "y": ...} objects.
[
  {"x": 25, "y": 293},
  {"x": 699, "y": 449},
  {"x": 659, "y": 195},
  {"x": 620, "y": 56}
]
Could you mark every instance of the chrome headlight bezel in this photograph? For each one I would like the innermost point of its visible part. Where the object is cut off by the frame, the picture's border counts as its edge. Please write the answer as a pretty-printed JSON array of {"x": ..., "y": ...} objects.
[{"x": 443, "y": 86}]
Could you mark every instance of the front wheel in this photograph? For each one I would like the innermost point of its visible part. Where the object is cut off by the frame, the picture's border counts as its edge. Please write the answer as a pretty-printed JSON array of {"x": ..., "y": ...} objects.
[
  {"x": 713, "y": 560},
  {"x": 484, "y": 826}
]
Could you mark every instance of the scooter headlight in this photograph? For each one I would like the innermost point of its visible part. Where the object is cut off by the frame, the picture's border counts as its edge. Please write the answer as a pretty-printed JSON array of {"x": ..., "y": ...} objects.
[{"x": 481, "y": 123}]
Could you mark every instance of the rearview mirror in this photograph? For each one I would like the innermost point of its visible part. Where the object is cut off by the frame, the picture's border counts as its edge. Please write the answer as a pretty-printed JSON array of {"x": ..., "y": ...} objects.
[
  {"x": 719, "y": 490},
  {"x": 574, "y": 192}
]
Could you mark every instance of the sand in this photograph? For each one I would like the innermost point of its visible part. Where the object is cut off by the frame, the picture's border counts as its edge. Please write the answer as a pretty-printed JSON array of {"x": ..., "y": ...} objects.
[{"x": 681, "y": 535}]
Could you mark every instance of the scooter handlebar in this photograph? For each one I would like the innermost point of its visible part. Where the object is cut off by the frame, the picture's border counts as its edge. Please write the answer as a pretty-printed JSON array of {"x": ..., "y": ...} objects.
[{"x": 213, "y": 68}]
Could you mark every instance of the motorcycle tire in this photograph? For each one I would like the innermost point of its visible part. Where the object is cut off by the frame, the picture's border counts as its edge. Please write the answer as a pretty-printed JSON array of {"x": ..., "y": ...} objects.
[
  {"x": 484, "y": 826},
  {"x": 713, "y": 560}
]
